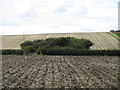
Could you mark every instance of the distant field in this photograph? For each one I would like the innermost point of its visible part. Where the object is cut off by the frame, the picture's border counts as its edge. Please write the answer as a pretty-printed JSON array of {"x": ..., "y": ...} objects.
[{"x": 102, "y": 40}]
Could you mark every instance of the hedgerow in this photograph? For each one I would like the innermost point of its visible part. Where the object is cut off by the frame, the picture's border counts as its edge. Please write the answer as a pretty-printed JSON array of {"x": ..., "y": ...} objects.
[
  {"x": 11, "y": 52},
  {"x": 73, "y": 51},
  {"x": 63, "y": 42},
  {"x": 65, "y": 51}
]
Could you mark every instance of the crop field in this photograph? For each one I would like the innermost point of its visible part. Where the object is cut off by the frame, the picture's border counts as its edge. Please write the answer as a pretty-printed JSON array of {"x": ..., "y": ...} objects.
[
  {"x": 101, "y": 40},
  {"x": 60, "y": 71}
]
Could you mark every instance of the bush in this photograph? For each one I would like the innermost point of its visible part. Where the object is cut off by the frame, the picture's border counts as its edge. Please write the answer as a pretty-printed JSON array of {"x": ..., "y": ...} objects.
[
  {"x": 63, "y": 42},
  {"x": 26, "y": 43},
  {"x": 63, "y": 46},
  {"x": 36, "y": 44},
  {"x": 28, "y": 49},
  {"x": 40, "y": 50},
  {"x": 80, "y": 43}
]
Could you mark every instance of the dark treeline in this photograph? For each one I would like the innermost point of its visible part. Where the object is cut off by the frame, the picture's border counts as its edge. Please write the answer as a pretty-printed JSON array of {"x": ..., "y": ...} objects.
[
  {"x": 67, "y": 52},
  {"x": 11, "y": 52}
]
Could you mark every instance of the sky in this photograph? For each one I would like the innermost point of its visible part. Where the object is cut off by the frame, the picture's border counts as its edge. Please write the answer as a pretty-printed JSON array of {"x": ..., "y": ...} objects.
[{"x": 57, "y": 16}]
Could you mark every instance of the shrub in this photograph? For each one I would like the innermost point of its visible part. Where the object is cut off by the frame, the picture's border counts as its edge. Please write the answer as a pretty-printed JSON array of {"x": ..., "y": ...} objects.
[
  {"x": 40, "y": 50},
  {"x": 28, "y": 49},
  {"x": 63, "y": 43},
  {"x": 26, "y": 43},
  {"x": 36, "y": 44},
  {"x": 80, "y": 43}
]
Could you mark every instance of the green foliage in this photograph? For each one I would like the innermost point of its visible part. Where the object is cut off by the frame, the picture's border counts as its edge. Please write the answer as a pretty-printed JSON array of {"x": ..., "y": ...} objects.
[
  {"x": 80, "y": 43},
  {"x": 41, "y": 46},
  {"x": 11, "y": 52},
  {"x": 63, "y": 41},
  {"x": 73, "y": 51},
  {"x": 60, "y": 51},
  {"x": 37, "y": 44},
  {"x": 28, "y": 49},
  {"x": 115, "y": 35},
  {"x": 115, "y": 32},
  {"x": 40, "y": 50},
  {"x": 26, "y": 43},
  {"x": 66, "y": 51}
]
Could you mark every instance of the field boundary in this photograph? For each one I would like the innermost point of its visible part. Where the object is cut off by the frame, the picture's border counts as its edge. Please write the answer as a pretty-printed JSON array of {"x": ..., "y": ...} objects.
[
  {"x": 113, "y": 35},
  {"x": 76, "y": 53}
]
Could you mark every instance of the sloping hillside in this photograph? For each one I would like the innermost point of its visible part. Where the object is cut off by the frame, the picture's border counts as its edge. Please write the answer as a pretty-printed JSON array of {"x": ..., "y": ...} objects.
[{"x": 102, "y": 40}]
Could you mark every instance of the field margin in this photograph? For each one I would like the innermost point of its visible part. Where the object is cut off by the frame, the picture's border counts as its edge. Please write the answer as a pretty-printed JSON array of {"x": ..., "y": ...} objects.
[{"x": 113, "y": 35}]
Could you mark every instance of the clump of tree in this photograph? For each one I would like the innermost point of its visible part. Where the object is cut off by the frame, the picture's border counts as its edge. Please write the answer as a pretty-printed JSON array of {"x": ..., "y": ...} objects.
[
  {"x": 112, "y": 30},
  {"x": 60, "y": 45}
]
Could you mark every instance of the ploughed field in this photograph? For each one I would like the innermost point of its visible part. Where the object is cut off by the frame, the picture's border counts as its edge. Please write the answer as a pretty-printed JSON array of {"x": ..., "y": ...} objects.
[
  {"x": 101, "y": 40},
  {"x": 60, "y": 71}
]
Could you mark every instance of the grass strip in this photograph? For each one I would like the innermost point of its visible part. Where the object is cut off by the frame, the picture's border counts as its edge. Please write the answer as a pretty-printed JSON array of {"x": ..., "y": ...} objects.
[{"x": 112, "y": 34}]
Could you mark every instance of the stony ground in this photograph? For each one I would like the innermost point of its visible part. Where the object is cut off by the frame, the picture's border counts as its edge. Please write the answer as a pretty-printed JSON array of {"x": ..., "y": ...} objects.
[{"x": 60, "y": 71}]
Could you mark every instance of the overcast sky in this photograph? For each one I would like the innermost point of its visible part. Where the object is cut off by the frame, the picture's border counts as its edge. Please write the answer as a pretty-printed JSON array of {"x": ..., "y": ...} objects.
[{"x": 57, "y": 16}]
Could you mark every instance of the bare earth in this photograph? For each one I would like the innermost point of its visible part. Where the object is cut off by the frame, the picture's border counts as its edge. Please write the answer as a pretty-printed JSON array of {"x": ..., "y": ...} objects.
[{"x": 60, "y": 71}]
